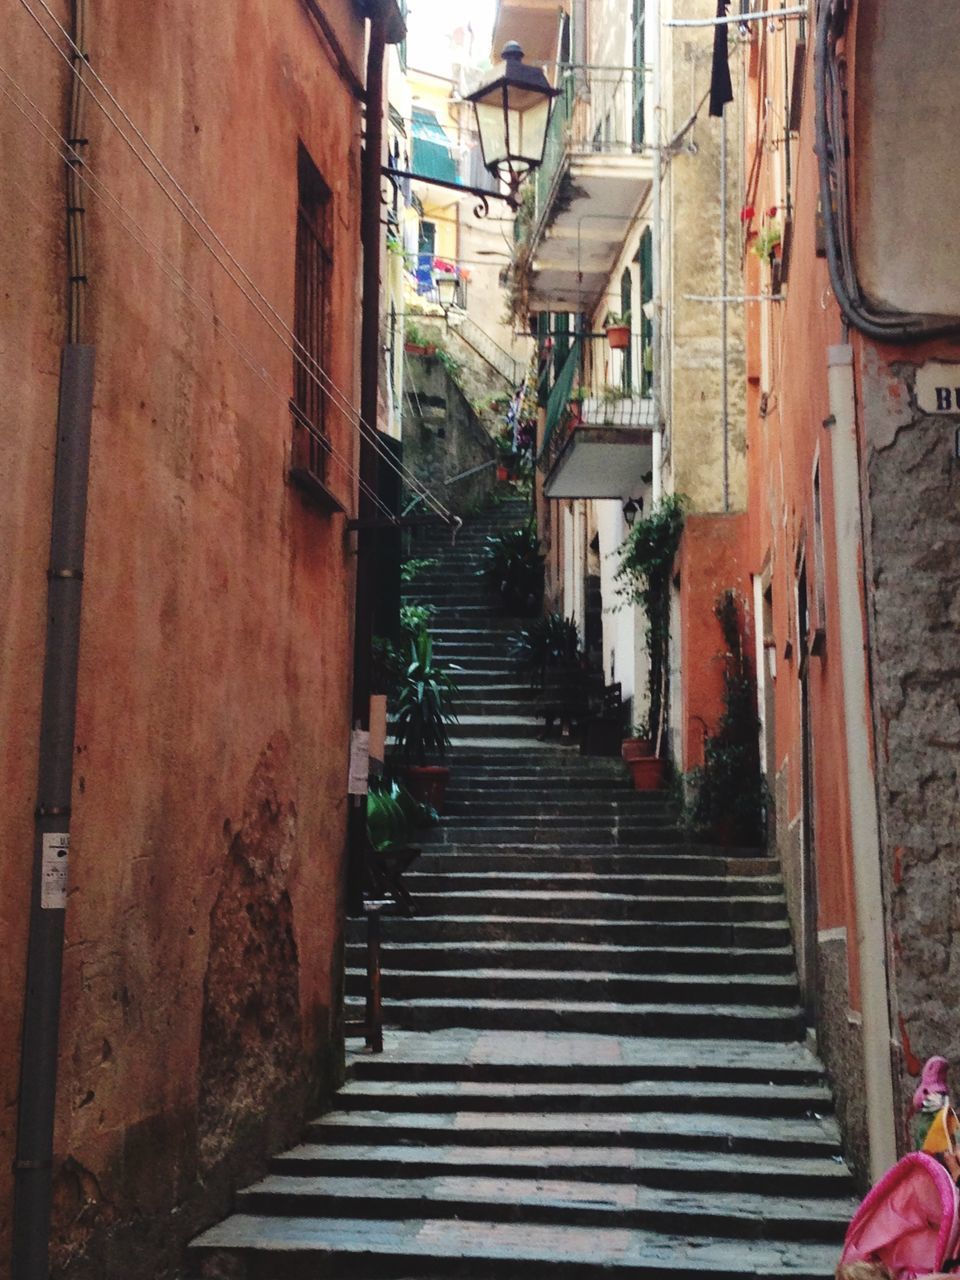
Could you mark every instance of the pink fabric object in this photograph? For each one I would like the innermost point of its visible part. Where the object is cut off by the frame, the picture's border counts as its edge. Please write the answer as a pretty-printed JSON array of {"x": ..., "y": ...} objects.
[
  {"x": 908, "y": 1221},
  {"x": 932, "y": 1080}
]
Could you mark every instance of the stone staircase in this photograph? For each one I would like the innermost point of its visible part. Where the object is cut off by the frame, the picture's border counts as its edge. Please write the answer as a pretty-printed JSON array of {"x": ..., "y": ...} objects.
[{"x": 594, "y": 1061}]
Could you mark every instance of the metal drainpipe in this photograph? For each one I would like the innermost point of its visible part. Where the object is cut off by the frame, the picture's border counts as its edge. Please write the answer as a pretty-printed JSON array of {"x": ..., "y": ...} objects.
[
  {"x": 370, "y": 235},
  {"x": 724, "y": 352},
  {"x": 656, "y": 334},
  {"x": 33, "y": 1172}
]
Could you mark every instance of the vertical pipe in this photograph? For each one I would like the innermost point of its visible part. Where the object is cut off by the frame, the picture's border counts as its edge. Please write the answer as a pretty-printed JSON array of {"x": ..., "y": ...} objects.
[
  {"x": 656, "y": 266},
  {"x": 370, "y": 182},
  {"x": 36, "y": 1103},
  {"x": 864, "y": 821},
  {"x": 724, "y": 353},
  {"x": 41, "y": 1016}
]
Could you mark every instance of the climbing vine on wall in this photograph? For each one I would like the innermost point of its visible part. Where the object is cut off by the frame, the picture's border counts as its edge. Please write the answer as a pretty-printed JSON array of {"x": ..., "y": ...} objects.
[{"x": 643, "y": 577}]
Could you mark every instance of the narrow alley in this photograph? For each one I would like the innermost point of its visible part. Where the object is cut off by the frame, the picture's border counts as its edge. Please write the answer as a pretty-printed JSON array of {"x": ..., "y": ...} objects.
[
  {"x": 480, "y": 596},
  {"x": 594, "y": 1060}
]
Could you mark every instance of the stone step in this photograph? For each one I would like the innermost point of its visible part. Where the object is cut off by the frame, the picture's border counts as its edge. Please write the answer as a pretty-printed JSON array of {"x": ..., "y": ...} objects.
[
  {"x": 611, "y": 818},
  {"x": 678, "y": 849},
  {"x": 814, "y": 1138},
  {"x": 741, "y": 1215},
  {"x": 510, "y": 862},
  {"x": 380, "y": 1249},
  {"x": 582, "y": 957},
  {"x": 477, "y": 929},
  {"x": 687, "y": 1170},
  {"x": 518, "y": 985},
  {"x": 519, "y": 1058},
  {"x": 715, "y": 1097},
  {"x": 611, "y": 907},
  {"x": 755, "y": 1022},
  {"x": 718, "y": 885},
  {"x": 555, "y": 835}
]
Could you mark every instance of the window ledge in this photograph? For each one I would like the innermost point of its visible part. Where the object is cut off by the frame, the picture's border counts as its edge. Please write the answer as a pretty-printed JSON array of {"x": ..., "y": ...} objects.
[{"x": 317, "y": 493}]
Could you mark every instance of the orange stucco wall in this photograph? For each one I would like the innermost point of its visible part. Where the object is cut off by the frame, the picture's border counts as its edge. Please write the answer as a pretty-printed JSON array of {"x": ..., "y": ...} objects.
[
  {"x": 212, "y": 722},
  {"x": 711, "y": 561}
]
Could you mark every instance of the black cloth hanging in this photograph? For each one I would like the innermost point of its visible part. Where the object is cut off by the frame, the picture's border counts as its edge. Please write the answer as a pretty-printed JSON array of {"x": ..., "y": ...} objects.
[{"x": 721, "y": 90}]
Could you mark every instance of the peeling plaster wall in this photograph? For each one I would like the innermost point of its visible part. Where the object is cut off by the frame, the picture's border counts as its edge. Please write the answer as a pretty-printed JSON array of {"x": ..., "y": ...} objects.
[
  {"x": 913, "y": 519},
  {"x": 202, "y": 974}
]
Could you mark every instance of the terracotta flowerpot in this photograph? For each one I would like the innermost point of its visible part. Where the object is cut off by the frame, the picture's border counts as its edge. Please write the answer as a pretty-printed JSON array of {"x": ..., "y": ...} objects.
[
  {"x": 416, "y": 349},
  {"x": 647, "y": 773},
  {"x": 427, "y": 783},
  {"x": 503, "y": 473},
  {"x": 618, "y": 336},
  {"x": 636, "y": 749}
]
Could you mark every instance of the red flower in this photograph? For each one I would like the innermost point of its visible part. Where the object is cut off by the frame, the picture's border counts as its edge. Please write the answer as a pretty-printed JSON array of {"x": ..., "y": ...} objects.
[
  {"x": 747, "y": 212},
  {"x": 772, "y": 211}
]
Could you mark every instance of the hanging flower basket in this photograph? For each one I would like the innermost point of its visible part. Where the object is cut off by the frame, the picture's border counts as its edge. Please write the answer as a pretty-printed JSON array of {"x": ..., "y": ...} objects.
[{"x": 618, "y": 336}]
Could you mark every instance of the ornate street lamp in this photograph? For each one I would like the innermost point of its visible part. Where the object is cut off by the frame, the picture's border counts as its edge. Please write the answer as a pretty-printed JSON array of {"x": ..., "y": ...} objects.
[
  {"x": 513, "y": 114},
  {"x": 447, "y": 285}
]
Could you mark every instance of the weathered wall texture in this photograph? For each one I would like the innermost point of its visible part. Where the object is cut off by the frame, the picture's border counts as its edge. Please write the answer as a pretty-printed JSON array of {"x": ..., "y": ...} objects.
[
  {"x": 913, "y": 483},
  {"x": 789, "y": 448},
  {"x": 443, "y": 437},
  {"x": 202, "y": 969},
  {"x": 694, "y": 191}
]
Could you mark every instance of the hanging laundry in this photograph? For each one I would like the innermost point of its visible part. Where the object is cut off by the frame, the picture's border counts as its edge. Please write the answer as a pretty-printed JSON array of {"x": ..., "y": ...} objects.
[{"x": 721, "y": 88}]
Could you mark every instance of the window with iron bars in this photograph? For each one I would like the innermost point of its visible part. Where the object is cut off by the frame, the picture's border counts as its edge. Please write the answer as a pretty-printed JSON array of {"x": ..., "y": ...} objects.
[{"x": 311, "y": 322}]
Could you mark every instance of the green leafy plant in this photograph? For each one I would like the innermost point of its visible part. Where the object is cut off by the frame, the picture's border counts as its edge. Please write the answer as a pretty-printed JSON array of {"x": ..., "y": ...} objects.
[
  {"x": 768, "y": 238},
  {"x": 546, "y": 642},
  {"x": 643, "y": 577},
  {"x": 512, "y": 565},
  {"x": 452, "y": 366},
  {"x": 613, "y": 320},
  {"x": 412, "y": 568},
  {"x": 424, "y": 703},
  {"x": 728, "y": 792}
]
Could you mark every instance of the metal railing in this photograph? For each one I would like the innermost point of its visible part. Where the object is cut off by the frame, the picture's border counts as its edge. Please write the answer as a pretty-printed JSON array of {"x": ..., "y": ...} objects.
[
  {"x": 599, "y": 110},
  {"x": 488, "y": 349},
  {"x": 611, "y": 388}
]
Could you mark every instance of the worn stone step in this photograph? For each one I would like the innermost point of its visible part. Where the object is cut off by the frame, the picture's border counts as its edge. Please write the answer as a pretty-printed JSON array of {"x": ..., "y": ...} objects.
[
  {"x": 518, "y": 985},
  {"x": 610, "y": 862},
  {"x": 678, "y": 850},
  {"x": 557, "y": 834},
  {"x": 717, "y": 885},
  {"x": 743, "y": 1215},
  {"x": 690, "y": 1169},
  {"x": 496, "y": 1251},
  {"x": 583, "y": 905},
  {"x": 757, "y": 1022},
  {"x": 612, "y": 817},
  {"x": 457, "y": 929},
  {"x": 714, "y": 1097},
  {"x": 771, "y": 1136},
  {"x": 552, "y": 1058},
  {"x": 548, "y": 955}
]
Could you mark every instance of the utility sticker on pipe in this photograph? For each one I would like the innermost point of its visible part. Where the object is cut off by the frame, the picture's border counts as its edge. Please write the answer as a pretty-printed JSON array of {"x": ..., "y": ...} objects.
[{"x": 53, "y": 870}]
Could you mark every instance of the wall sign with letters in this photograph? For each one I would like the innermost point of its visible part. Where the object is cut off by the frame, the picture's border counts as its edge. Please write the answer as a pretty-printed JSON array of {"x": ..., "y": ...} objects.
[{"x": 938, "y": 387}]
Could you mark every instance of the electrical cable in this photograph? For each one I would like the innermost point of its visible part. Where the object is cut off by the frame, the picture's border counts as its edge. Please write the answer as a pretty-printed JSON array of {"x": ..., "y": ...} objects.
[
  {"x": 169, "y": 269},
  {"x": 313, "y": 370},
  {"x": 834, "y": 200}
]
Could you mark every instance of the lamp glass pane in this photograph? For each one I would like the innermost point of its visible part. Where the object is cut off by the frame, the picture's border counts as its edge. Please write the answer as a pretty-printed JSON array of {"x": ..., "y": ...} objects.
[
  {"x": 534, "y": 131},
  {"x": 492, "y": 129}
]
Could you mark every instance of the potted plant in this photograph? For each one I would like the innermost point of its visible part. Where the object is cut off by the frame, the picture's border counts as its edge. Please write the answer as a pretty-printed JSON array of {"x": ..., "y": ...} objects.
[
  {"x": 416, "y": 343},
  {"x": 768, "y": 241},
  {"x": 420, "y": 727},
  {"x": 511, "y": 563},
  {"x": 637, "y": 747},
  {"x": 617, "y": 329}
]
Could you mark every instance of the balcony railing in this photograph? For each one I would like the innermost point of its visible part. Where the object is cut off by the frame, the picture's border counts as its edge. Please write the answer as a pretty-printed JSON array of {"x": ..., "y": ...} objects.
[
  {"x": 598, "y": 387},
  {"x": 600, "y": 109}
]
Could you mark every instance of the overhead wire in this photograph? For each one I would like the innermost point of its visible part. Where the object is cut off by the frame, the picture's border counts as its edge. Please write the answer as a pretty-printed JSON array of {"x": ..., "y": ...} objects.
[
  {"x": 91, "y": 181},
  {"x": 277, "y": 325}
]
